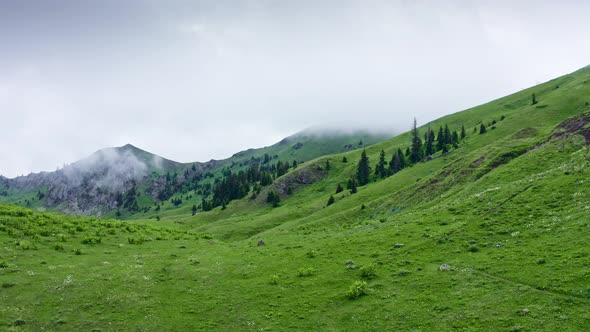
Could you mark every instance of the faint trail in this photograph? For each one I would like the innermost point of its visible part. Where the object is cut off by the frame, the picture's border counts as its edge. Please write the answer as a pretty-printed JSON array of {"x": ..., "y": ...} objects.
[{"x": 518, "y": 283}]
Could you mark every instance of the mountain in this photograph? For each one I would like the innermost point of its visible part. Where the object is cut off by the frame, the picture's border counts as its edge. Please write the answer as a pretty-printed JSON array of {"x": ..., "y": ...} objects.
[
  {"x": 486, "y": 232},
  {"x": 128, "y": 179}
]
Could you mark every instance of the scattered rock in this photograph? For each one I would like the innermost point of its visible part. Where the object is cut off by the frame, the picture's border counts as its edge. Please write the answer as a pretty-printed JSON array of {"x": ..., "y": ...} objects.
[
  {"x": 445, "y": 267},
  {"x": 398, "y": 245},
  {"x": 261, "y": 243}
]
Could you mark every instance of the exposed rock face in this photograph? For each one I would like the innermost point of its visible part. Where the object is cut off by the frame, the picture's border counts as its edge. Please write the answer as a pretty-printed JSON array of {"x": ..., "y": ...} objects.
[
  {"x": 578, "y": 124},
  {"x": 91, "y": 185}
]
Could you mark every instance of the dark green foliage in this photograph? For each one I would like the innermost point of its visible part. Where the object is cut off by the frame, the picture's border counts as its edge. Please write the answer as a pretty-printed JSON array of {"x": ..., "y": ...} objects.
[
  {"x": 380, "y": 170},
  {"x": 339, "y": 188},
  {"x": 331, "y": 200},
  {"x": 344, "y": 159},
  {"x": 397, "y": 163},
  {"x": 194, "y": 209},
  {"x": 482, "y": 129},
  {"x": 416, "y": 152},
  {"x": 273, "y": 198},
  {"x": 463, "y": 131},
  {"x": 363, "y": 169},
  {"x": 534, "y": 99},
  {"x": 328, "y": 166},
  {"x": 352, "y": 185},
  {"x": 429, "y": 146}
]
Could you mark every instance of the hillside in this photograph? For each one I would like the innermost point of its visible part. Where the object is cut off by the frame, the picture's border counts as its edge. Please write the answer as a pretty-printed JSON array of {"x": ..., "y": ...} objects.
[
  {"x": 489, "y": 234},
  {"x": 123, "y": 181}
]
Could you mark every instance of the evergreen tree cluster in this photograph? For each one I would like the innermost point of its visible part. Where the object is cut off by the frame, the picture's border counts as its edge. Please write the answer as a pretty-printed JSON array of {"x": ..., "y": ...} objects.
[{"x": 418, "y": 151}]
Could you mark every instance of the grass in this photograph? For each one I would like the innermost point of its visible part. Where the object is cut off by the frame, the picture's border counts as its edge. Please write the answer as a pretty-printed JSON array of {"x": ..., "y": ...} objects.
[{"x": 507, "y": 212}]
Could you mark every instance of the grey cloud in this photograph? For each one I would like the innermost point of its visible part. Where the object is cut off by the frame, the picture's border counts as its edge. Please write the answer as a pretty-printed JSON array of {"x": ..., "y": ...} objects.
[{"x": 198, "y": 80}]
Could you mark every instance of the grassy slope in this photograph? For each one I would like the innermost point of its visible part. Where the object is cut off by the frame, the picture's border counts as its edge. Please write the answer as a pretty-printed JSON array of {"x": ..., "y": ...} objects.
[{"x": 512, "y": 226}]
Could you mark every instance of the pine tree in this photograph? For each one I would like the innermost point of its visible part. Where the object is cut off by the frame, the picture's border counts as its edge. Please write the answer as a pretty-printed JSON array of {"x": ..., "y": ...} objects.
[
  {"x": 534, "y": 101},
  {"x": 429, "y": 147},
  {"x": 194, "y": 209},
  {"x": 380, "y": 171},
  {"x": 363, "y": 169},
  {"x": 416, "y": 153},
  {"x": 440, "y": 140},
  {"x": 462, "y": 131},
  {"x": 448, "y": 137},
  {"x": 328, "y": 166},
  {"x": 344, "y": 159},
  {"x": 455, "y": 139},
  {"x": 351, "y": 185},
  {"x": 482, "y": 129},
  {"x": 331, "y": 200},
  {"x": 339, "y": 188}
]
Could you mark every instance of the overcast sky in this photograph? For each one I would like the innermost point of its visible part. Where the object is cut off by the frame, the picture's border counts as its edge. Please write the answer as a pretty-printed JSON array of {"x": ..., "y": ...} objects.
[{"x": 195, "y": 80}]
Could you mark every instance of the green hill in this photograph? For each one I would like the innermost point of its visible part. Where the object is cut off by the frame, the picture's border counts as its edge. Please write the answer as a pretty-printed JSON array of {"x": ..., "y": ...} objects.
[
  {"x": 127, "y": 181},
  {"x": 492, "y": 235}
]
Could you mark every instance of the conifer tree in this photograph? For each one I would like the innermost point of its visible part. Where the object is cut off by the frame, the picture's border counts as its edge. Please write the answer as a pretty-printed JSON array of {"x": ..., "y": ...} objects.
[
  {"x": 455, "y": 139},
  {"x": 363, "y": 169},
  {"x": 339, "y": 188},
  {"x": 482, "y": 129},
  {"x": 462, "y": 131},
  {"x": 328, "y": 166},
  {"x": 344, "y": 159},
  {"x": 194, "y": 209},
  {"x": 416, "y": 153},
  {"x": 330, "y": 200},
  {"x": 352, "y": 185},
  {"x": 429, "y": 146},
  {"x": 380, "y": 171},
  {"x": 440, "y": 140}
]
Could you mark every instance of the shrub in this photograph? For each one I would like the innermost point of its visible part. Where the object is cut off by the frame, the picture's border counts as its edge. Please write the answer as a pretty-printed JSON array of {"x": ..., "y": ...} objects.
[
  {"x": 356, "y": 290},
  {"x": 58, "y": 246},
  {"x": 24, "y": 245},
  {"x": 350, "y": 265},
  {"x": 311, "y": 254},
  {"x": 91, "y": 240},
  {"x": 3, "y": 265},
  {"x": 305, "y": 272},
  {"x": 138, "y": 240},
  {"x": 77, "y": 251},
  {"x": 403, "y": 273},
  {"x": 8, "y": 284},
  {"x": 274, "y": 279},
  {"x": 368, "y": 271}
]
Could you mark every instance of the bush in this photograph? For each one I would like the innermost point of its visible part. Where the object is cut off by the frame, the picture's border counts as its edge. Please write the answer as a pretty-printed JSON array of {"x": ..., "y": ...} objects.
[
  {"x": 59, "y": 247},
  {"x": 403, "y": 273},
  {"x": 368, "y": 272},
  {"x": 138, "y": 240},
  {"x": 350, "y": 265},
  {"x": 3, "y": 265},
  {"x": 274, "y": 279},
  {"x": 305, "y": 272},
  {"x": 356, "y": 290},
  {"x": 91, "y": 240},
  {"x": 77, "y": 251}
]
